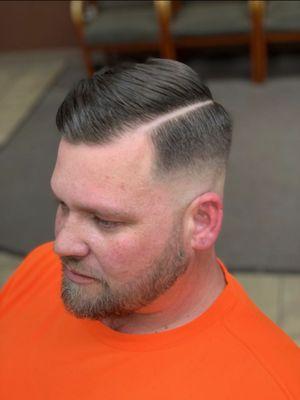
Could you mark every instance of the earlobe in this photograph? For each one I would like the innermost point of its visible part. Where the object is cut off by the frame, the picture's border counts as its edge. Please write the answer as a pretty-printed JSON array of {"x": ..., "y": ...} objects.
[{"x": 206, "y": 213}]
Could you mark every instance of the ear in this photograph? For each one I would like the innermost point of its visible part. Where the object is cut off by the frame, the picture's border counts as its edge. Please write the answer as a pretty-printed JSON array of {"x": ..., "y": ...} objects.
[{"x": 205, "y": 215}]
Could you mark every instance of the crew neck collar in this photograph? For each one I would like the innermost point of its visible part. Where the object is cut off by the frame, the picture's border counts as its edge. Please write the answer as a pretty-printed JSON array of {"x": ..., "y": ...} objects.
[{"x": 168, "y": 338}]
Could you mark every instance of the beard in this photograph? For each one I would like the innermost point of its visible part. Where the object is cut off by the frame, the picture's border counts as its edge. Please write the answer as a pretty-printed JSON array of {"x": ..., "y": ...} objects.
[{"x": 100, "y": 299}]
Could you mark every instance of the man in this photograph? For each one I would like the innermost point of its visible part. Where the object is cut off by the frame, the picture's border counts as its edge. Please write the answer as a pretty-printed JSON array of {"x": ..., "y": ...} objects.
[{"x": 131, "y": 301}]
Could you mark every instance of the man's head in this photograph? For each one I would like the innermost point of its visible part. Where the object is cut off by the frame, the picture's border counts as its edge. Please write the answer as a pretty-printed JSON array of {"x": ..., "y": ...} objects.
[{"x": 139, "y": 176}]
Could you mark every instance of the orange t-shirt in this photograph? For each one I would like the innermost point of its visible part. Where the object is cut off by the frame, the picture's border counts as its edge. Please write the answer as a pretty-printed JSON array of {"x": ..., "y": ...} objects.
[{"x": 231, "y": 351}]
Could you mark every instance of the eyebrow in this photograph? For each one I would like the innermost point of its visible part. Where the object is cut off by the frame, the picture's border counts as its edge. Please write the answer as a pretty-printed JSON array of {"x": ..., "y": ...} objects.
[{"x": 101, "y": 211}]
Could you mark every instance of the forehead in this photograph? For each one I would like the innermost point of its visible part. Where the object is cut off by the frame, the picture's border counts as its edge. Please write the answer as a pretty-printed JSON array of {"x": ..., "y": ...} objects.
[{"x": 115, "y": 171}]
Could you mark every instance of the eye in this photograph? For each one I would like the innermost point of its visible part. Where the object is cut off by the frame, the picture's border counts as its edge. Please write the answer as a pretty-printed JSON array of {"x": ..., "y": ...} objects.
[{"x": 106, "y": 224}]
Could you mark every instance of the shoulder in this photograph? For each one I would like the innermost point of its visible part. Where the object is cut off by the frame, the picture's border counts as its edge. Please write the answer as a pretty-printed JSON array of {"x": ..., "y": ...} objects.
[
  {"x": 41, "y": 260},
  {"x": 265, "y": 344}
]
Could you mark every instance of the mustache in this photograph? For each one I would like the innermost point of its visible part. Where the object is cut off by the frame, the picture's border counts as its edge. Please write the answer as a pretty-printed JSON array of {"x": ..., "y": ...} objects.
[{"x": 75, "y": 265}]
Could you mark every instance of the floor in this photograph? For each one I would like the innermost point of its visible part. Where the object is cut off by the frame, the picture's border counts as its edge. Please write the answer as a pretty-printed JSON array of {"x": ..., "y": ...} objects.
[
  {"x": 277, "y": 294},
  {"x": 20, "y": 91}
]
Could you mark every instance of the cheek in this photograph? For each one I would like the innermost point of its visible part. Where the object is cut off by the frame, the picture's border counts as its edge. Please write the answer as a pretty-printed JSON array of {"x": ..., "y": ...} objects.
[
  {"x": 129, "y": 254},
  {"x": 125, "y": 249}
]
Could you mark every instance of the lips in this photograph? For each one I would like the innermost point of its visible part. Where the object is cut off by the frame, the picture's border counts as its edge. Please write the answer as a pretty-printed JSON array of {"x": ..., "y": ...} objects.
[{"x": 78, "y": 278}]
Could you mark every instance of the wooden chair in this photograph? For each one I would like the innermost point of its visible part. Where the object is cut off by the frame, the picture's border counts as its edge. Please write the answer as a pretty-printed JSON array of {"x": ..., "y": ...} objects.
[
  {"x": 281, "y": 24},
  {"x": 115, "y": 27},
  {"x": 210, "y": 23}
]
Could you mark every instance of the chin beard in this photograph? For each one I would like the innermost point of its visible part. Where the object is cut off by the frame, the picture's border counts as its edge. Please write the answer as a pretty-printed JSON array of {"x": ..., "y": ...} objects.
[
  {"x": 99, "y": 302},
  {"x": 101, "y": 299}
]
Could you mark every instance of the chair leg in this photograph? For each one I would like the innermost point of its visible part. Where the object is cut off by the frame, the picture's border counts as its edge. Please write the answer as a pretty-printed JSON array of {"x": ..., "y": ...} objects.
[
  {"x": 87, "y": 58},
  {"x": 258, "y": 60},
  {"x": 258, "y": 48},
  {"x": 167, "y": 49}
]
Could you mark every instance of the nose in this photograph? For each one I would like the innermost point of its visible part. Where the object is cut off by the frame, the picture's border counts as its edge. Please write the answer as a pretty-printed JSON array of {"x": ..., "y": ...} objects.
[{"x": 69, "y": 241}]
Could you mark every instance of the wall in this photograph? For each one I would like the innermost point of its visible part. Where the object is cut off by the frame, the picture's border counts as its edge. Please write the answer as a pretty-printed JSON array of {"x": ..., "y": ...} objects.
[{"x": 35, "y": 25}]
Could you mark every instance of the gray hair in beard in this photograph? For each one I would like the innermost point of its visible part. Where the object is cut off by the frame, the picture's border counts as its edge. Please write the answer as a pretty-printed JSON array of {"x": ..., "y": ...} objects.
[{"x": 101, "y": 299}]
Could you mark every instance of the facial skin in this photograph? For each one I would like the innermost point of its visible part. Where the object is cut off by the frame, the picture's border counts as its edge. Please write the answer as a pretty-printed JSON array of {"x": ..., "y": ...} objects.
[
  {"x": 118, "y": 225},
  {"x": 108, "y": 299}
]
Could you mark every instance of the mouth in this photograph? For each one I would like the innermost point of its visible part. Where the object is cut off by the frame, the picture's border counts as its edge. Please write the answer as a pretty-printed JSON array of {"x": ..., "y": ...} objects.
[{"x": 78, "y": 278}]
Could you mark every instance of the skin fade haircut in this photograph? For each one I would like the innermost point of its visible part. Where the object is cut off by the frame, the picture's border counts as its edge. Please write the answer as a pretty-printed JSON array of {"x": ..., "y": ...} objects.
[
  {"x": 188, "y": 136},
  {"x": 187, "y": 127}
]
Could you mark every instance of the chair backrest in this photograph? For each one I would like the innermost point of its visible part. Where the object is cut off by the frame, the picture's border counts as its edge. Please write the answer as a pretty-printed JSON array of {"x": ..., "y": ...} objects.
[
  {"x": 282, "y": 16},
  {"x": 104, "y": 4}
]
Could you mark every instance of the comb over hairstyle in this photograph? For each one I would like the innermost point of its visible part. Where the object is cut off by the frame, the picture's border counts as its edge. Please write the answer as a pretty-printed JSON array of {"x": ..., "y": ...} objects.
[{"x": 187, "y": 127}]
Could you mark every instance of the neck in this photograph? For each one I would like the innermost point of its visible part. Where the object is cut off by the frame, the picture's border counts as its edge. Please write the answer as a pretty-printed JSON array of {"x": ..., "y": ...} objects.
[{"x": 192, "y": 294}]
